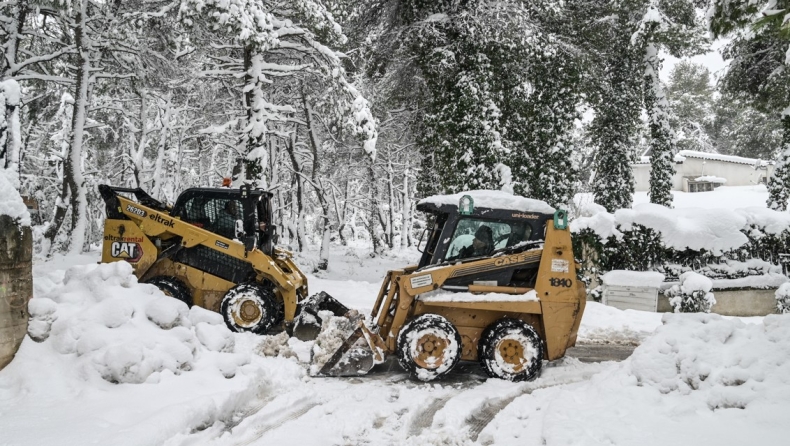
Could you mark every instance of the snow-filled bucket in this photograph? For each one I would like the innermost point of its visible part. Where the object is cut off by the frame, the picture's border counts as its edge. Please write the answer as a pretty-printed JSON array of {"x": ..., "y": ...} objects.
[{"x": 16, "y": 285}]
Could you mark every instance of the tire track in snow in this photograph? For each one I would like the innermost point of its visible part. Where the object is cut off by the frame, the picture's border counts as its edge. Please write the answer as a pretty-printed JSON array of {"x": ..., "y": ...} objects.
[
  {"x": 244, "y": 414},
  {"x": 484, "y": 414},
  {"x": 299, "y": 410},
  {"x": 424, "y": 418}
]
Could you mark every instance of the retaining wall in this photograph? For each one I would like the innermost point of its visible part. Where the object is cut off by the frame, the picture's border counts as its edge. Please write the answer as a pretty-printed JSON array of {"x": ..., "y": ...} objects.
[{"x": 16, "y": 286}]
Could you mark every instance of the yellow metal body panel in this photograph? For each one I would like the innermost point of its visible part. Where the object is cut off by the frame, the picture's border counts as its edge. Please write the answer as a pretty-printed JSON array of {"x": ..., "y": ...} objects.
[{"x": 146, "y": 223}]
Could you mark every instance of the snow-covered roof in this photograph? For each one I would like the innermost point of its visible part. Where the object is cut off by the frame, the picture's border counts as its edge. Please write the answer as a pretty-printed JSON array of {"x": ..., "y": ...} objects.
[
  {"x": 492, "y": 199},
  {"x": 711, "y": 179},
  {"x": 720, "y": 157},
  {"x": 683, "y": 154}
]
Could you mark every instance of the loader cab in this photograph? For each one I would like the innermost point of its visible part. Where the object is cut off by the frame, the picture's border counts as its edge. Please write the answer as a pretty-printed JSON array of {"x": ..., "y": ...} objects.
[
  {"x": 238, "y": 214},
  {"x": 457, "y": 234}
]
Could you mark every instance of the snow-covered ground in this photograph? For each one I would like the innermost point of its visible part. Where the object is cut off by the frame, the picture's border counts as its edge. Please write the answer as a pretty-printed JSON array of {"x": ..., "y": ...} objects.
[{"x": 121, "y": 364}]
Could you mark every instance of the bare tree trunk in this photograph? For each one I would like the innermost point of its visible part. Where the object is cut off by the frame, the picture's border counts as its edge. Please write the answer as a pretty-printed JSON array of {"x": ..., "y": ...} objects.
[
  {"x": 390, "y": 230},
  {"x": 73, "y": 167},
  {"x": 326, "y": 226},
  {"x": 299, "y": 192},
  {"x": 373, "y": 210},
  {"x": 159, "y": 177},
  {"x": 138, "y": 154},
  {"x": 405, "y": 236},
  {"x": 73, "y": 186}
]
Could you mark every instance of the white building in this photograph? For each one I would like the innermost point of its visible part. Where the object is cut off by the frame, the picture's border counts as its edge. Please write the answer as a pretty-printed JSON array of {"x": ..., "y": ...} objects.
[{"x": 701, "y": 171}]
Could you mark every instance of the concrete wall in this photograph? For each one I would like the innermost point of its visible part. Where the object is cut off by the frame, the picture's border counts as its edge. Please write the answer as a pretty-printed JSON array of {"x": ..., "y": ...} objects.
[
  {"x": 745, "y": 302},
  {"x": 16, "y": 286}
]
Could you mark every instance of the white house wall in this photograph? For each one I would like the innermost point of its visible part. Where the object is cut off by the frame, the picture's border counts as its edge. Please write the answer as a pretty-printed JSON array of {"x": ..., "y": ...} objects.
[{"x": 736, "y": 174}]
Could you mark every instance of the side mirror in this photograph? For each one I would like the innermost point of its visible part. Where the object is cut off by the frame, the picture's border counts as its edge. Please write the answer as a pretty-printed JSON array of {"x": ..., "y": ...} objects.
[{"x": 420, "y": 246}]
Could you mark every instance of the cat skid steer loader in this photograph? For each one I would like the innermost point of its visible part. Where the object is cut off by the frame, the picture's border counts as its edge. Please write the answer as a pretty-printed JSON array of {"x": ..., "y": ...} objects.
[
  {"x": 214, "y": 248},
  {"x": 496, "y": 284}
]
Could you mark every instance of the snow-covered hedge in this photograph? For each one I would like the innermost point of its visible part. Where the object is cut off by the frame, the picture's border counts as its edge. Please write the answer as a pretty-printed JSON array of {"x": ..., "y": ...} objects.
[
  {"x": 692, "y": 294},
  {"x": 717, "y": 243},
  {"x": 783, "y": 299}
]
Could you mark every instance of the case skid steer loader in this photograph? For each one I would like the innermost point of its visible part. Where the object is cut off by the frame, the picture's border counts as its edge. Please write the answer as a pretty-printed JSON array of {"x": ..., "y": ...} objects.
[
  {"x": 496, "y": 284},
  {"x": 214, "y": 248}
]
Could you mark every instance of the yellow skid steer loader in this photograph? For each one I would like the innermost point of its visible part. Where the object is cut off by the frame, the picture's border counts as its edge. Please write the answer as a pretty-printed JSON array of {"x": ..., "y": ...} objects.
[
  {"x": 496, "y": 284},
  {"x": 214, "y": 248}
]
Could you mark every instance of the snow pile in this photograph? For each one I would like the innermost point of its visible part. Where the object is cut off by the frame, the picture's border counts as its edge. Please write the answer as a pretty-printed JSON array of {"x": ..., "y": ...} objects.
[
  {"x": 705, "y": 376},
  {"x": 11, "y": 203},
  {"x": 783, "y": 298},
  {"x": 602, "y": 324},
  {"x": 692, "y": 294},
  {"x": 492, "y": 199},
  {"x": 633, "y": 278},
  {"x": 128, "y": 332}
]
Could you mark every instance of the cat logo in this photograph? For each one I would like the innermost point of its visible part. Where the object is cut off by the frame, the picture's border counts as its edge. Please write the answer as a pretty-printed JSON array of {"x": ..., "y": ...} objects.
[{"x": 131, "y": 252}]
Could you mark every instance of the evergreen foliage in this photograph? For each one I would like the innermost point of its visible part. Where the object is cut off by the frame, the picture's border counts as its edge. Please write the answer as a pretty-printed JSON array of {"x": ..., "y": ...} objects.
[
  {"x": 758, "y": 72},
  {"x": 502, "y": 101},
  {"x": 691, "y": 102}
]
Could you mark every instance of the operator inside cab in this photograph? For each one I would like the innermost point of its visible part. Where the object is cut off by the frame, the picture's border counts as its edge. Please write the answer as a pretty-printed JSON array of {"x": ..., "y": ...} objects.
[{"x": 482, "y": 244}]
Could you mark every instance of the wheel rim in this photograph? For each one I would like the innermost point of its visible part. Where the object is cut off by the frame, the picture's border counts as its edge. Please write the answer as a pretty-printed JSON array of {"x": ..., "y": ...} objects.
[
  {"x": 246, "y": 311},
  {"x": 429, "y": 351},
  {"x": 514, "y": 353}
]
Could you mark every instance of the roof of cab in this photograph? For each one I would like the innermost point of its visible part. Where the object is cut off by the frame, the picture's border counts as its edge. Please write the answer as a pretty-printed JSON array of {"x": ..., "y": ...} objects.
[{"x": 485, "y": 200}]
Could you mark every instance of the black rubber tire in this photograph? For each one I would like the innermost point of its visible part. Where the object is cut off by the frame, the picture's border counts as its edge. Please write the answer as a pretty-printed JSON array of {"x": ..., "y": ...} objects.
[
  {"x": 444, "y": 329},
  {"x": 265, "y": 301},
  {"x": 494, "y": 333},
  {"x": 172, "y": 287}
]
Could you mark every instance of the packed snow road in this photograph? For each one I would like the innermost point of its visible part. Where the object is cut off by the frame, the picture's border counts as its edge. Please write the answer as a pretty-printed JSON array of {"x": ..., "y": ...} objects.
[{"x": 116, "y": 362}]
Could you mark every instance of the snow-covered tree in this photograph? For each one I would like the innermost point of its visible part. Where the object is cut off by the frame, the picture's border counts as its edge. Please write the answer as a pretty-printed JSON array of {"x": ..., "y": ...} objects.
[
  {"x": 758, "y": 72},
  {"x": 691, "y": 102}
]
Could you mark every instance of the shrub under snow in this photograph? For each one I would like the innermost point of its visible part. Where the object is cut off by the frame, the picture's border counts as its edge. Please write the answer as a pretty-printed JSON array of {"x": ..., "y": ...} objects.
[
  {"x": 783, "y": 298},
  {"x": 692, "y": 294},
  {"x": 125, "y": 331}
]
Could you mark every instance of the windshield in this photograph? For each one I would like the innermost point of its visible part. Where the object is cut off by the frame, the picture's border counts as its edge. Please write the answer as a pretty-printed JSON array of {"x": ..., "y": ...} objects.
[{"x": 479, "y": 238}]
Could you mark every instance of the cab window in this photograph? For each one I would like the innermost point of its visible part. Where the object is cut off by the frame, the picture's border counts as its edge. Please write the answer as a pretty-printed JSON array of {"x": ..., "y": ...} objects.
[
  {"x": 478, "y": 237},
  {"x": 215, "y": 214}
]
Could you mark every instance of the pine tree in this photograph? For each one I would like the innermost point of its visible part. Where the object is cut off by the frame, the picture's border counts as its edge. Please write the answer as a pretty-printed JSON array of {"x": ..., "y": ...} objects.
[
  {"x": 758, "y": 72},
  {"x": 779, "y": 183},
  {"x": 691, "y": 102}
]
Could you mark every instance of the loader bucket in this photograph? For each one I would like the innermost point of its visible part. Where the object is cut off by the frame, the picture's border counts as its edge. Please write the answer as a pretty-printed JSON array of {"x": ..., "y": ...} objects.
[
  {"x": 341, "y": 341},
  {"x": 335, "y": 354},
  {"x": 307, "y": 323}
]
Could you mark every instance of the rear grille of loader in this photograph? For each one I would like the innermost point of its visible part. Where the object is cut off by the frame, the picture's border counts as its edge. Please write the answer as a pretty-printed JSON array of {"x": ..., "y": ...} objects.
[{"x": 216, "y": 263}]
